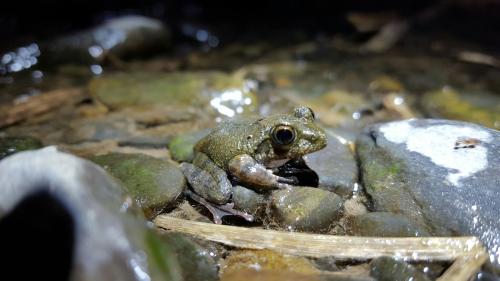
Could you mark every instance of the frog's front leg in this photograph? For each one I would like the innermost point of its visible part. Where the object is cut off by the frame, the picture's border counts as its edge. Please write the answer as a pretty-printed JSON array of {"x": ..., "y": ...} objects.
[{"x": 249, "y": 171}]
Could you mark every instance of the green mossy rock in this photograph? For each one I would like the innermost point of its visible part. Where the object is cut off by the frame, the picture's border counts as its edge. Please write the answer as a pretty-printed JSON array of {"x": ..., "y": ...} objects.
[
  {"x": 481, "y": 107},
  {"x": 11, "y": 145},
  {"x": 154, "y": 183},
  {"x": 181, "y": 147},
  {"x": 195, "y": 89}
]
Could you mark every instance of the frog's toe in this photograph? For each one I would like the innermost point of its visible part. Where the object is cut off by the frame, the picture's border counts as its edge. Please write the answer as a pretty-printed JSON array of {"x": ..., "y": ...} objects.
[
  {"x": 219, "y": 211},
  {"x": 229, "y": 208},
  {"x": 291, "y": 180}
]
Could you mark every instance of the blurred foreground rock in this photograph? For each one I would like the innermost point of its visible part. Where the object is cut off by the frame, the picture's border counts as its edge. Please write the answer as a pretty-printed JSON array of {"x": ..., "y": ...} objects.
[
  {"x": 55, "y": 205},
  {"x": 197, "y": 263}
]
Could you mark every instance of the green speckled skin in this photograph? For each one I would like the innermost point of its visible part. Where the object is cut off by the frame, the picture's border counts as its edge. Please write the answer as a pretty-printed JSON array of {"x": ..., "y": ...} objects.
[
  {"x": 253, "y": 137},
  {"x": 245, "y": 149}
]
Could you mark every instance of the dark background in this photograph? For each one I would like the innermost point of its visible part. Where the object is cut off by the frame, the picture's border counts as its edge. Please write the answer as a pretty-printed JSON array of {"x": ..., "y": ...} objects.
[{"x": 23, "y": 21}]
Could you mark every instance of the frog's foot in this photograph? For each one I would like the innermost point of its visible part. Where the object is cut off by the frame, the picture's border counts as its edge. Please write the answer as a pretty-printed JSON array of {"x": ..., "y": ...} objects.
[{"x": 219, "y": 211}]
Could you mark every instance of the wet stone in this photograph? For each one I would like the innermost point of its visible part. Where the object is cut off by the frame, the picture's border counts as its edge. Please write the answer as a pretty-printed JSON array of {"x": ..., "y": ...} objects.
[
  {"x": 279, "y": 275},
  {"x": 249, "y": 265},
  {"x": 438, "y": 173},
  {"x": 355, "y": 206},
  {"x": 11, "y": 145},
  {"x": 385, "y": 224},
  {"x": 305, "y": 208},
  {"x": 478, "y": 107},
  {"x": 485, "y": 276},
  {"x": 197, "y": 263},
  {"x": 347, "y": 136},
  {"x": 181, "y": 146},
  {"x": 154, "y": 183},
  {"x": 223, "y": 94},
  {"x": 336, "y": 108},
  {"x": 121, "y": 37},
  {"x": 98, "y": 129},
  {"x": 385, "y": 84},
  {"x": 266, "y": 260},
  {"x": 144, "y": 141},
  {"x": 389, "y": 269},
  {"x": 335, "y": 166},
  {"x": 248, "y": 200},
  {"x": 328, "y": 263}
]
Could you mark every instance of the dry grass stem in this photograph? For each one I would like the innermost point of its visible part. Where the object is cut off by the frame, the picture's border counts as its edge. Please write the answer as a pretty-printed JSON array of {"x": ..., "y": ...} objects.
[{"x": 340, "y": 247}]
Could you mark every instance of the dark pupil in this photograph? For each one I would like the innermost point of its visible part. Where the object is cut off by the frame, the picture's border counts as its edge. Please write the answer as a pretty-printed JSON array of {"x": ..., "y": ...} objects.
[{"x": 284, "y": 136}]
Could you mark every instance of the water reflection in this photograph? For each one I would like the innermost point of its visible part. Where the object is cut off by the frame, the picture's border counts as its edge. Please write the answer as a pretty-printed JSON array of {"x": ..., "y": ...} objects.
[
  {"x": 201, "y": 35},
  {"x": 96, "y": 51},
  {"x": 233, "y": 101},
  {"x": 23, "y": 58},
  {"x": 138, "y": 262},
  {"x": 230, "y": 102},
  {"x": 37, "y": 75},
  {"x": 109, "y": 37},
  {"x": 96, "y": 69}
]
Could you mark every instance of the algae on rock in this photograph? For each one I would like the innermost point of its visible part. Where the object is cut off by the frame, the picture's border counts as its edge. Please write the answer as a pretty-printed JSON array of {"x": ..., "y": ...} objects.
[
  {"x": 482, "y": 108},
  {"x": 154, "y": 183},
  {"x": 11, "y": 145},
  {"x": 221, "y": 92}
]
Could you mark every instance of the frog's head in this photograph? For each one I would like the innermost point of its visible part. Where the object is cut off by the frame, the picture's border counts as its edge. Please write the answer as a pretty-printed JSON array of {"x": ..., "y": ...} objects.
[{"x": 296, "y": 134}]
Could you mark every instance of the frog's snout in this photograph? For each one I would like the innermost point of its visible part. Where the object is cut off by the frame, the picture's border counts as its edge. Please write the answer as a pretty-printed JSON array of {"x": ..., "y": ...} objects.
[
  {"x": 321, "y": 139},
  {"x": 319, "y": 136},
  {"x": 317, "y": 139}
]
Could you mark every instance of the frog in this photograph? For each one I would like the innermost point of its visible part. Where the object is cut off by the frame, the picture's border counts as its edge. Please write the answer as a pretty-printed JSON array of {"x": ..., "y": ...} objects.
[{"x": 247, "y": 152}]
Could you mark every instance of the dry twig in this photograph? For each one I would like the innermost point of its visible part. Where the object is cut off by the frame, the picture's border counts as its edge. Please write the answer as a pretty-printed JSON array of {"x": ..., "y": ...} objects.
[
  {"x": 467, "y": 252},
  {"x": 317, "y": 245},
  {"x": 17, "y": 112}
]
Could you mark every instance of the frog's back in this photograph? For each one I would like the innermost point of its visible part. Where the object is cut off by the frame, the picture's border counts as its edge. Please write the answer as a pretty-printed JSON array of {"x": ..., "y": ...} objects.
[{"x": 228, "y": 140}]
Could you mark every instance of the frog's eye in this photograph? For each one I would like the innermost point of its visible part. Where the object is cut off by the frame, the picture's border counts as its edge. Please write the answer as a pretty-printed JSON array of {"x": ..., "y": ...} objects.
[{"x": 283, "y": 134}]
